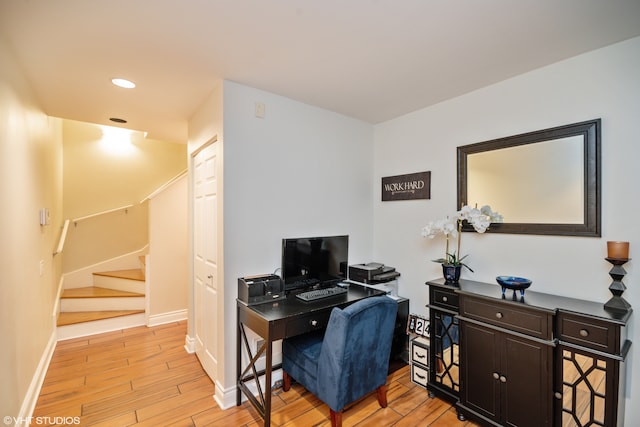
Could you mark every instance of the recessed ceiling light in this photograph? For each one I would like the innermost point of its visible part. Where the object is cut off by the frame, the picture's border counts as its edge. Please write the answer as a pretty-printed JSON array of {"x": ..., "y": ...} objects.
[
  {"x": 117, "y": 120},
  {"x": 127, "y": 84}
]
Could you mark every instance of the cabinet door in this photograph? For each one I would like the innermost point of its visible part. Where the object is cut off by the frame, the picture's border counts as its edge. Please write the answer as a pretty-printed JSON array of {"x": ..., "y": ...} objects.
[
  {"x": 505, "y": 378},
  {"x": 445, "y": 346},
  {"x": 526, "y": 379},
  {"x": 586, "y": 388},
  {"x": 480, "y": 366}
]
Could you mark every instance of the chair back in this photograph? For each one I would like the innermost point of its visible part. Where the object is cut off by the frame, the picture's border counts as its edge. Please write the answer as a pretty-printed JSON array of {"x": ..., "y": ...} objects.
[{"x": 354, "y": 359}]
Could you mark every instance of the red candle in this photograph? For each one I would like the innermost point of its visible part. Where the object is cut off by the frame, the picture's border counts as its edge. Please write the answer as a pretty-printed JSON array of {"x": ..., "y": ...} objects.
[{"x": 618, "y": 250}]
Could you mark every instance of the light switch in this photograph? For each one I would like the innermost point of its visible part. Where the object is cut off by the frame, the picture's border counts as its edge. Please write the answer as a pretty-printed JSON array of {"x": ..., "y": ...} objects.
[
  {"x": 260, "y": 110},
  {"x": 44, "y": 216}
]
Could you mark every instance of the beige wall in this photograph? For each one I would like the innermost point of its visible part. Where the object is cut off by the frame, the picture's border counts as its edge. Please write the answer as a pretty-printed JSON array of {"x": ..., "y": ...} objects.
[
  {"x": 31, "y": 179},
  {"x": 168, "y": 261},
  {"x": 101, "y": 174}
]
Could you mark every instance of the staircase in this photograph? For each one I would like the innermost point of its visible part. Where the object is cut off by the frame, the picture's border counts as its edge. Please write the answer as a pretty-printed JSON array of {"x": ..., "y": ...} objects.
[{"x": 116, "y": 300}]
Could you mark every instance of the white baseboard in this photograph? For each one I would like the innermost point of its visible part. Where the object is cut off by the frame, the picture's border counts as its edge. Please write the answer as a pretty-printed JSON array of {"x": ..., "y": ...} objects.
[
  {"x": 31, "y": 397},
  {"x": 226, "y": 398},
  {"x": 172, "y": 316},
  {"x": 190, "y": 344},
  {"x": 100, "y": 326}
]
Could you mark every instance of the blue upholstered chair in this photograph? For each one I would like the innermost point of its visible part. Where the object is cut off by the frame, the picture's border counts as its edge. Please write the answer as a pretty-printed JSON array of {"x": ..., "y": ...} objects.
[{"x": 346, "y": 361}]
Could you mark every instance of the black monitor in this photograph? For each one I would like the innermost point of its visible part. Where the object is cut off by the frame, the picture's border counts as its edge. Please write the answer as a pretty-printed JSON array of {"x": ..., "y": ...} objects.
[{"x": 309, "y": 261}]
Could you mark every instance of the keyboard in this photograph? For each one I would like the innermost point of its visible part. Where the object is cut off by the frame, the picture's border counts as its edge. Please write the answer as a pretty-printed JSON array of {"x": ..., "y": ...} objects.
[{"x": 317, "y": 294}]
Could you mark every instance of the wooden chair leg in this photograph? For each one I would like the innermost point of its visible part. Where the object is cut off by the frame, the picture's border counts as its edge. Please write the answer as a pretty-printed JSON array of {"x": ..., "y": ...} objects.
[
  {"x": 382, "y": 395},
  {"x": 336, "y": 418},
  {"x": 286, "y": 381}
]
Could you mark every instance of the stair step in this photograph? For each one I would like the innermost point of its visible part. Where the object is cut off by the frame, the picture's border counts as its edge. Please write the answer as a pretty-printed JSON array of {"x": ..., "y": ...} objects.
[
  {"x": 98, "y": 292},
  {"x": 133, "y": 274},
  {"x": 71, "y": 318}
]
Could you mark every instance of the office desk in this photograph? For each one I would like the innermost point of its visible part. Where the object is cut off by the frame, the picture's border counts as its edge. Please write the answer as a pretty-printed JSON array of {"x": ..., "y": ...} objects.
[{"x": 275, "y": 321}]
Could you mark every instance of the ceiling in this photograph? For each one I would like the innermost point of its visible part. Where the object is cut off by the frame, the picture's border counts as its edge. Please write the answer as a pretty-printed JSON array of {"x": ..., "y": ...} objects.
[{"x": 369, "y": 59}]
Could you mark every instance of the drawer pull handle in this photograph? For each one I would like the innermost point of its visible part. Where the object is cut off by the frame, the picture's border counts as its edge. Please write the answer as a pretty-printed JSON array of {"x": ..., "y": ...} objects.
[
  {"x": 496, "y": 375},
  {"x": 503, "y": 379},
  {"x": 445, "y": 299},
  {"x": 420, "y": 376},
  {"x": 314, "y": 323},
  {"x": 584, "y": 333},
  {"x": 419, "y": 356},
  {"x": 499, "y": 315},
  {"x": 558, "y": 395}
]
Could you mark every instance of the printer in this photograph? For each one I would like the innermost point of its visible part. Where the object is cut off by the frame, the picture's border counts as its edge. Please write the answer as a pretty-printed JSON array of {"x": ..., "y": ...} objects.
[{"x": 372, "y": 273}]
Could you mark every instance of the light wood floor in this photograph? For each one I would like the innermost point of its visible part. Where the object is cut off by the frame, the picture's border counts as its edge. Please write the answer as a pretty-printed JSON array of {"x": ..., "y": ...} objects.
[{"x": 144, "y": 377}]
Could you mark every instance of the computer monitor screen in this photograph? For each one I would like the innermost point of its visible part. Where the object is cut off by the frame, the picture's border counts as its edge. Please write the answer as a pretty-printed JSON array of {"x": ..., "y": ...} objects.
[{"x": 311, "y": 260}]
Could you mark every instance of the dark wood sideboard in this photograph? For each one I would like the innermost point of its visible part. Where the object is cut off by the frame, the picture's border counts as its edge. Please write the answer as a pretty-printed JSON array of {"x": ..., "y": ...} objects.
[{"x": 537, "y": 360}]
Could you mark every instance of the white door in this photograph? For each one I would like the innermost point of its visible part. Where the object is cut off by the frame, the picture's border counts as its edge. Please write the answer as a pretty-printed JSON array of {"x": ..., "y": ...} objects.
[{"x": 205, "y": 263}]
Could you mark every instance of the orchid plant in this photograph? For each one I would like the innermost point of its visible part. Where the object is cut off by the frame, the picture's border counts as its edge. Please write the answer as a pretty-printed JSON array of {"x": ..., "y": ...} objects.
[{"x": 451, "y": 227}]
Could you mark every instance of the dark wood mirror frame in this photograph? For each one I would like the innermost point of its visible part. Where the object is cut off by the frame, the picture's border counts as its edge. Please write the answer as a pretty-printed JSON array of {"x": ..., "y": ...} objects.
[{"x": 590, "y": 131}]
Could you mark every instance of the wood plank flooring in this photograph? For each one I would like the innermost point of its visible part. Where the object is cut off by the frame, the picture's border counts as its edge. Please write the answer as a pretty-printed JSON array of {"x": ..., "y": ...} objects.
[{"x": 144, "y": 377}]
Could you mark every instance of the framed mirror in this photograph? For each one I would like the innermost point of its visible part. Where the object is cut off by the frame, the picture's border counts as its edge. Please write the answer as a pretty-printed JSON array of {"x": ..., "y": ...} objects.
[{"x": 543, "y": 182}]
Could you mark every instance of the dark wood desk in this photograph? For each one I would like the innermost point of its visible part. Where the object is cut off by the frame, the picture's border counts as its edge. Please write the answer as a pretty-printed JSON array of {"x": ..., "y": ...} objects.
[{"x": 275, "y": 321}]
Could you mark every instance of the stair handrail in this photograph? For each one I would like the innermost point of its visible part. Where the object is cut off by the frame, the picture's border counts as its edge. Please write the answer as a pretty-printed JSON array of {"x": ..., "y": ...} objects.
[
  {"x": 82, "y": 218},
  {"x": 63, "y": 238},
  {"x": 163, "y": 186}
]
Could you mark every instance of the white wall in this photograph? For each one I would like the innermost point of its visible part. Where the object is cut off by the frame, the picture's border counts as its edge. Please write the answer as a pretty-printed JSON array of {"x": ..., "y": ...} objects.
[
  {"x": 600, "y": 84},
  {"x": 30, "y": 179},
  {"x": 299, "y": 171},
  {"x": 168, "y": 259}
]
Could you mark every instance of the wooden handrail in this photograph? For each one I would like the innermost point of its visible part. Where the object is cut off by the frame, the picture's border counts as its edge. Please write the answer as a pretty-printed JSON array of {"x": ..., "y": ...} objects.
[
  {"x": 165, "y": 185},
  {"x": 63, "y": 237},
  {"x": 82, "y": 218}
]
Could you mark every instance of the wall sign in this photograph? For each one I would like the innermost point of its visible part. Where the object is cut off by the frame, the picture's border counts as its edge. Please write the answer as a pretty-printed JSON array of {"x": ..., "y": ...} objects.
[{"x": 407, "y": 187}]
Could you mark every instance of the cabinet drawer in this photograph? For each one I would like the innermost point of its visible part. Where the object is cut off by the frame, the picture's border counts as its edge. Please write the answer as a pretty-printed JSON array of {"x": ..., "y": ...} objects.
[
  {"x": 526, "y": 320},
  {"x": 308, "y": 323},
  {"x": 444, "y": 298},
  {"x": 419, "y": 375},
  {"x": 420, "y": 351},
  {"x": 588, "y": 332}
]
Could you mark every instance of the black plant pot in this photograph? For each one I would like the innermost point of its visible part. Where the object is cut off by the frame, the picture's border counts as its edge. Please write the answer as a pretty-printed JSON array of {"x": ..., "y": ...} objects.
[{"x": 451, "y": 273}]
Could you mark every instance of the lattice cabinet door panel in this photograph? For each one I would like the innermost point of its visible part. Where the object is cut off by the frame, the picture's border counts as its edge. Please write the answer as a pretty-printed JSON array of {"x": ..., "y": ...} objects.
[
  {"x": 589, "y": 388},
  {"x": 445, "y": 366}
]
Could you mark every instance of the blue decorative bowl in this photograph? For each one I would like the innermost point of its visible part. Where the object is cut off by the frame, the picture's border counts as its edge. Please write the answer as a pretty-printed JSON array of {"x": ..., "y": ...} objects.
[{"x": 513, "y": 283}]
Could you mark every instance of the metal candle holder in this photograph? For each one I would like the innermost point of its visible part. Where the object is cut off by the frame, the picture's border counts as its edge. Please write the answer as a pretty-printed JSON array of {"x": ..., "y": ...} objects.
[{"x": 617, "y": 288}]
